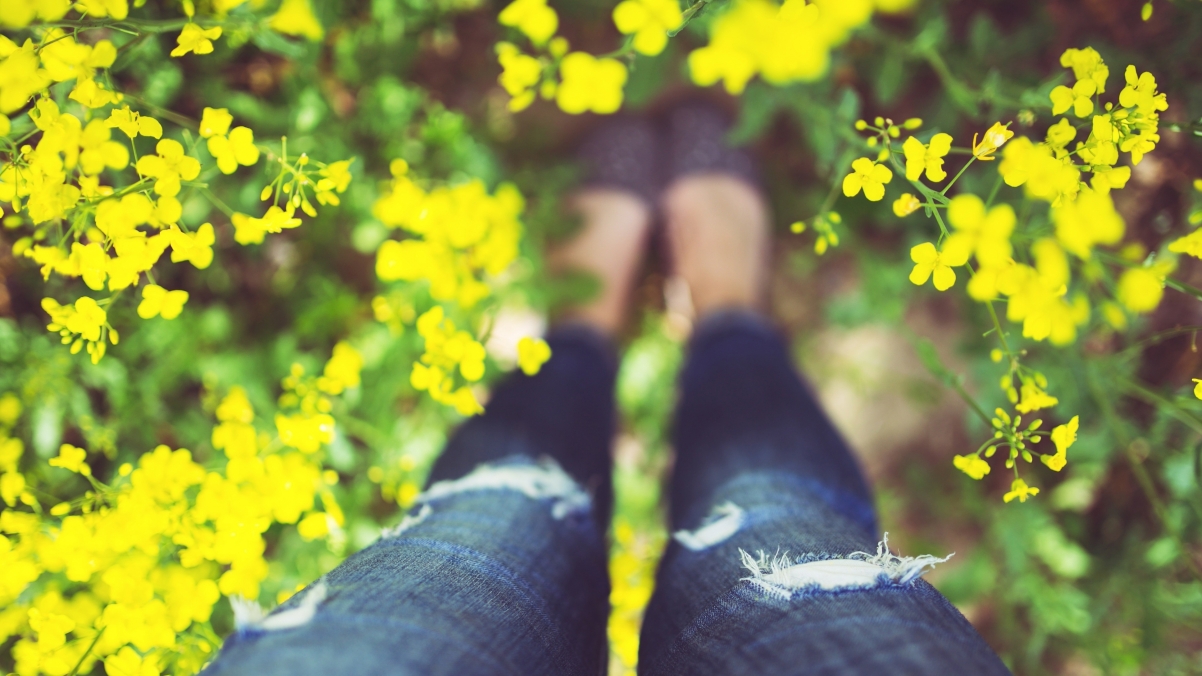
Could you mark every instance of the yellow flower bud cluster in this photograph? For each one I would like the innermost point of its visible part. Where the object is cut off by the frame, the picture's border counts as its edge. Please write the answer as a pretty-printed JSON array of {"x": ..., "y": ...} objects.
[
  {"x": 577, "y": 81},
  {"x": 783, "y": 43},
  {"x": 447, "y": 351},
  {"x": 460, "y": 236},
  {"x": 633, "y": 560},
  {"x": 127, "y": 573}
]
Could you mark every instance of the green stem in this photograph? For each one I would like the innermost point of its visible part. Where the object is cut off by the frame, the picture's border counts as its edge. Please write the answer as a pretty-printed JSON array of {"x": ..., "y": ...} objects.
[
  {"x": 84, "y": 656},
  {"x": 688, "y": 15},
  {"x": 958, "y": 175},
  {"x": 1137, "y": 467},
  {"x": 1155, "y": 399}
]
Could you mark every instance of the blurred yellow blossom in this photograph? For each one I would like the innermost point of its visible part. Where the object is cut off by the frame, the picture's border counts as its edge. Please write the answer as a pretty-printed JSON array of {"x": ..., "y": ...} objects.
[
  {"x": 590, "y": 84},
  {"x": 71, "y": 458},
  {"x": 1019, "y": 489},
  {"x": 533, "y": 17},
  {"x": 532, "y": 354},
  {"x": 972, "y": 465},
  {"x": 649, "y": 21},
  {"x": 905, "y": 205},
  {"x": 342, "y": 370},
  {"x": 157, "y": 301},
  {"x": 295, "y": 17}
]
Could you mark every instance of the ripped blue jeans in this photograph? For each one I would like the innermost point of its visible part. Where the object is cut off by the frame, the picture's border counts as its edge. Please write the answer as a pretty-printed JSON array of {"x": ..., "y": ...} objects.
[{"x": 500, "y": 569}]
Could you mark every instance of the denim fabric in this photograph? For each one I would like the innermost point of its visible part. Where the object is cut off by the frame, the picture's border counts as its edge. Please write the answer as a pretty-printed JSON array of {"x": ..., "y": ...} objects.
[
  {"x": 749, "y": 434},
  {"x": 486, "y": 581}
]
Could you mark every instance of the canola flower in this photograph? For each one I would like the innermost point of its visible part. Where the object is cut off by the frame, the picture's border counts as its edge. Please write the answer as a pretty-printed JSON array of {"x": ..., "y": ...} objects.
[
  {"x": 147, "y": 555},
  {"x": 117, "y": 234},
  {"x": 1075, "y": 177}
]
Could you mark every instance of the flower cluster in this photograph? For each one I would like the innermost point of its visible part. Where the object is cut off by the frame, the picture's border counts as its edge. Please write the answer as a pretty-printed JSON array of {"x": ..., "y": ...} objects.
[
  {"x": 781, "y": 42},
  {"x": 448, "y": 350},
  {"x": 128, "y": 573},
  {"x": 66, "y": 179},
  {"x": 458, "y": 235},
  {"x": 633, "y": 559},
  {"x": 1037, "y": 283},
  {"x": 578, "y": 81}
]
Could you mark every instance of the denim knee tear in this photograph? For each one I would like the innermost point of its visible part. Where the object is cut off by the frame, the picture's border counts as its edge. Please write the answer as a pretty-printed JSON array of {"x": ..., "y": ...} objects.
[
  {"x": 542, "y": 481},
  {"x": 782, "y": 578},
  {"x": 249, "y": 616},
  {"x": 406, "y": 523},
  {"x": 724, "y": 521}
]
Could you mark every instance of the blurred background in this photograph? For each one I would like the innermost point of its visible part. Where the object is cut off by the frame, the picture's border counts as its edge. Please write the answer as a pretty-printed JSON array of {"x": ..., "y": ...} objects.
[{"x": 1098, "y": 575}]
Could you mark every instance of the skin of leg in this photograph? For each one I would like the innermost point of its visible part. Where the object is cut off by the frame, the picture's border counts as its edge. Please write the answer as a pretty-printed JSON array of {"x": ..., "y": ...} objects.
[
  {"x": 718, "y": 229},
  {"x": 610, "y": 246}
]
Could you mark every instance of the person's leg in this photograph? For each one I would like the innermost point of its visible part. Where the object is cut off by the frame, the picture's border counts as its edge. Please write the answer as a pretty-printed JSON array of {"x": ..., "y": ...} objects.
[
  {"x": 500, "y": 568},
  {"x": 775, "y": 566}
]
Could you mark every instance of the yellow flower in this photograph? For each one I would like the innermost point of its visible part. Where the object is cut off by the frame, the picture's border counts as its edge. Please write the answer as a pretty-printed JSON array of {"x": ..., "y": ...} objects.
[
  {"x": 335, "y": 178},
  {"x": 305, "y": 433},
  {"x": 987, "y": 234},
  {"x": 1140, "y": 289},
  {"x": 1063, "y": 436},
  {"x": 295, "y": 17},
  {"x": 157, "y": 301},
  {"x": 519, "y": 74},
  {"x": 250, "y": 230},
  {"x": 649, "y": 21},
  {"x": 127, "y": 662},
  {"x": 532, "y": 354},
  {"x": 133, "y": 123},
  {"x": 236, "y": 149},
  {"x": 995, "y": 137},
  {"x": 342, "y": 371},
  {"x": 193, "y": 38},
  {"x": 533, "y": 17},
  {"x": 118, "y": 9},
  {"x": 929, "y": 262},
  {"x": 1079, "y": 97},
  {"x": 1190, "y": 244},
  {"x": 1087, "y": 64},
  {"x": 12, "y": 485},
  {"x": 1036, "y": 167},
  {"x": 1034, "y": 398},
  {"x": 168, "y": 167},
  {"x": 1086, "y": 222},
  {"x": 868, "y": 176},
  {"x": 590, "y": 84},
  {"x": 72, "y": 459},
  {"x": 1140, "y": 93},
  {"x": 10, "y": 410},
  {"x": 1059, "y": 136},
  {"x": 972, "y": 465},
  {"x": 928, "y": 157},
  {"x": 314, "y": 526},
  {"x": 905, "y": 205},
  {"x": 98, "y": 151},
  {"x": 1198, "y": 388},
  {"x": 1019, "y": 489},
  {"x": 194, "y": 247},
  {"x": 215, "y": 122}
]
